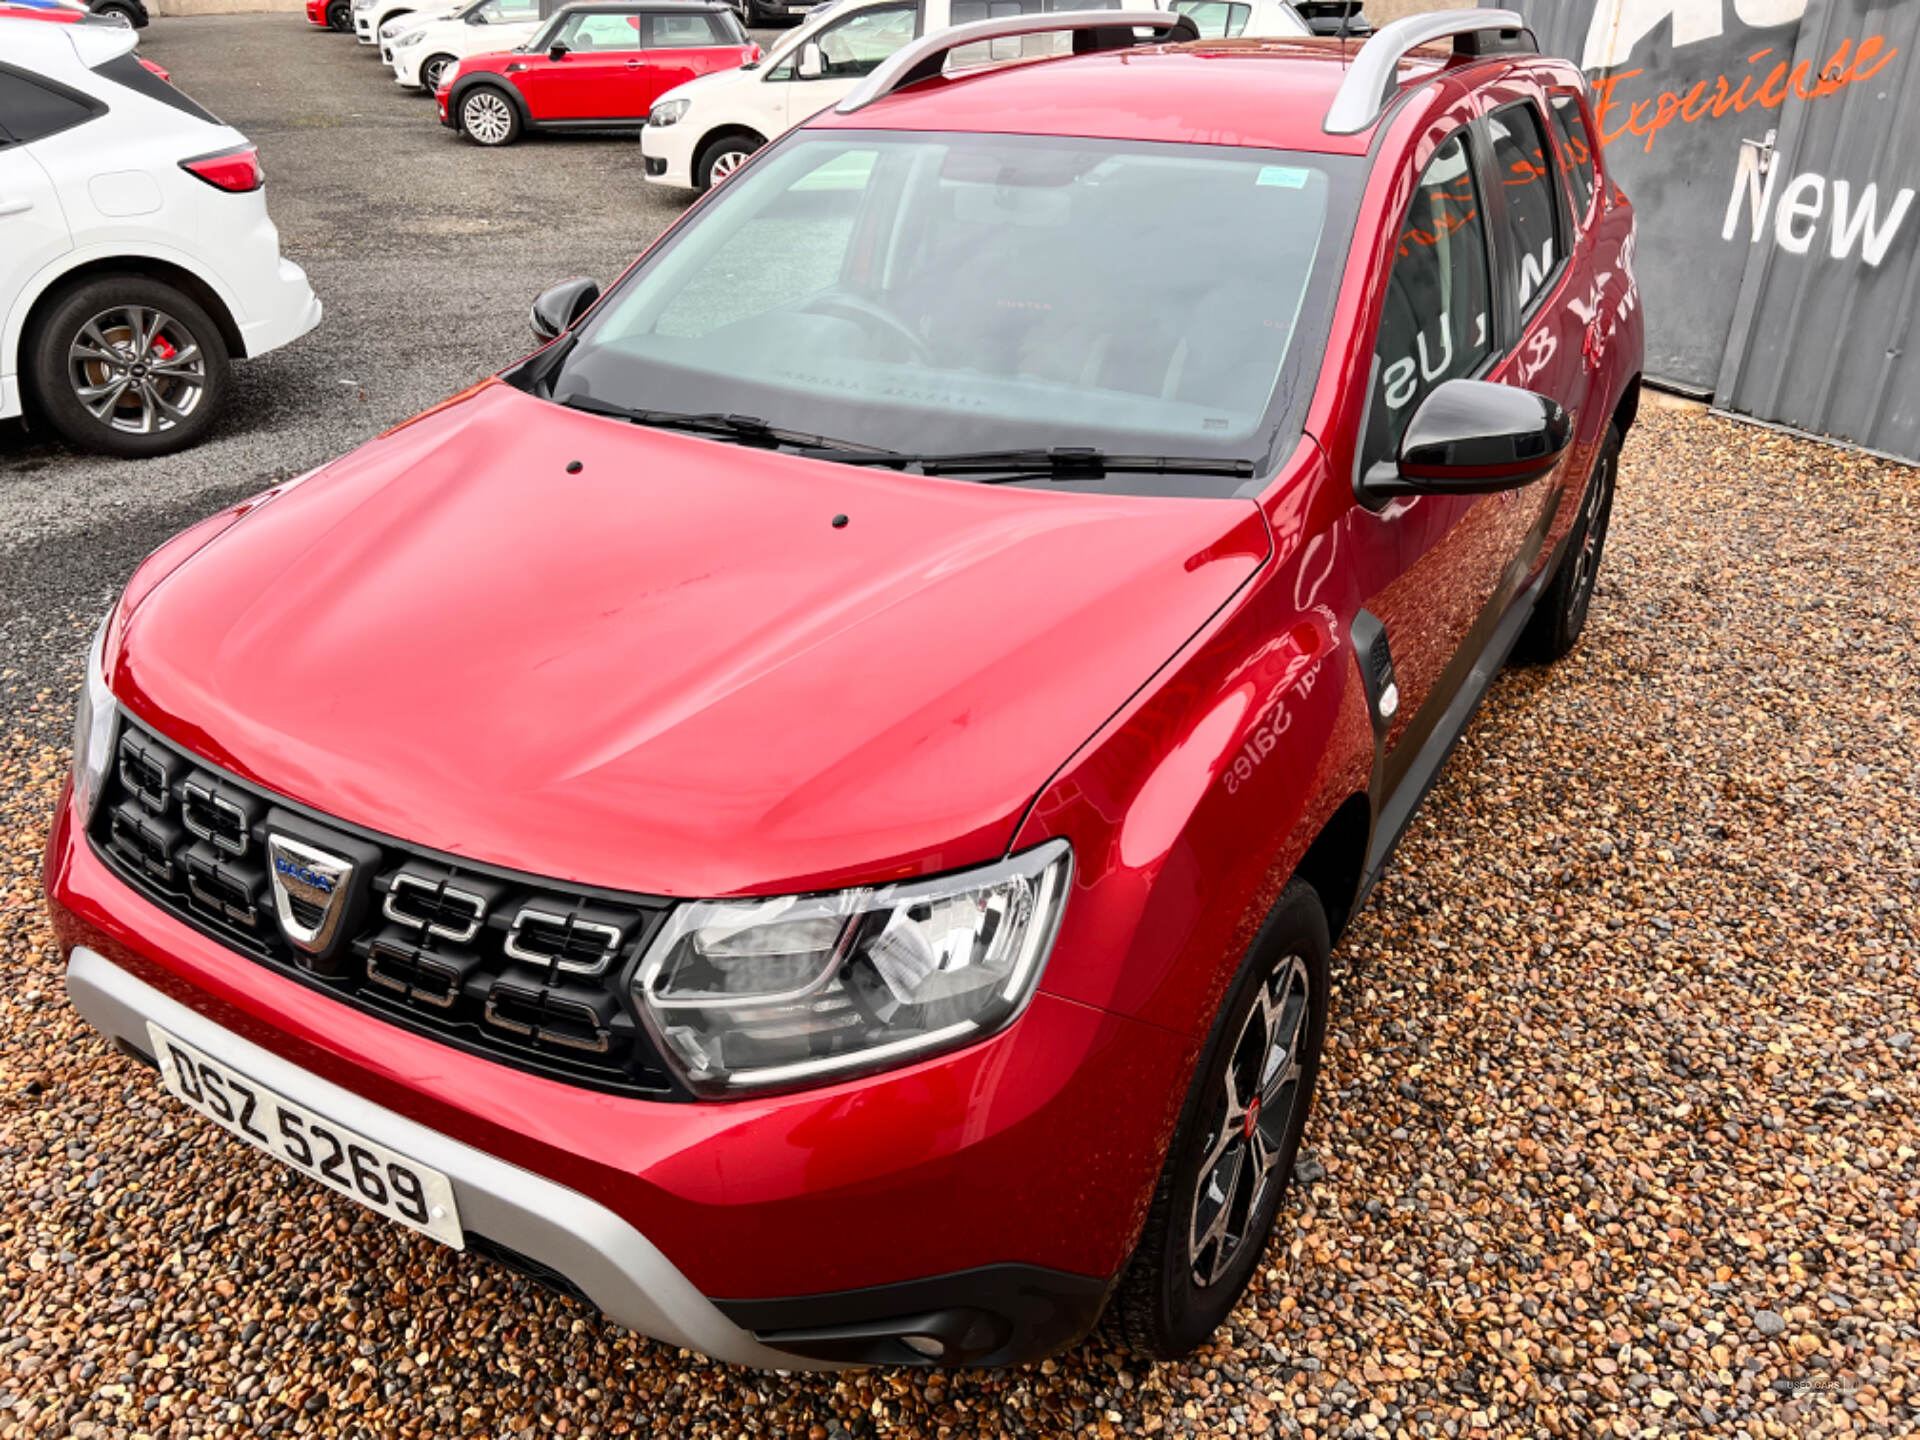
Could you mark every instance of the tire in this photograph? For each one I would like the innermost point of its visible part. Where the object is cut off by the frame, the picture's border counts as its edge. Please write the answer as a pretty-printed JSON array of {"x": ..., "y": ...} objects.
[
  {"x": 127, "y": 365},
  {"x": 431, "y": 70},
  {"x": 116, "y": 15},
  {"x": 340, "y": 16},
  {"x": 721, "y": 156},
  {"x": 1176, "y": 1292},
  {"x": 1561, "y": 612},
  {"x": 488, "y": 117}
]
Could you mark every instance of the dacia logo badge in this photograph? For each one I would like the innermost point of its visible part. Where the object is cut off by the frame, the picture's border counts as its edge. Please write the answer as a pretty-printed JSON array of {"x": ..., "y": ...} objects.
[{"x": 309, "y": 890}]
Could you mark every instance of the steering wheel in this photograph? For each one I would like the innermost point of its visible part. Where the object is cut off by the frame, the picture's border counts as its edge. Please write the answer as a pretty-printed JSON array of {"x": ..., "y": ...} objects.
[{"x": 872, "y": 316}]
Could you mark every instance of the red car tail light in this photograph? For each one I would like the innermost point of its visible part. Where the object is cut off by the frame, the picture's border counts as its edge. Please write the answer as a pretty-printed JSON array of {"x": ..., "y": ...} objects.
[{"x": 238, "y": 170}]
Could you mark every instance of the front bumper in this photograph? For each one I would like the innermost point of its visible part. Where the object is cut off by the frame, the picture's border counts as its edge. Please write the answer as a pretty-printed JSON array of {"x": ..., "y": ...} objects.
[
  {"x": 613, "y": 1264},
  {"x": 667, "y": 153},
  {"x": 363, "y": 27},
  {"x": 988, "y": 1195},
  {"x": 317, "y": 14}
]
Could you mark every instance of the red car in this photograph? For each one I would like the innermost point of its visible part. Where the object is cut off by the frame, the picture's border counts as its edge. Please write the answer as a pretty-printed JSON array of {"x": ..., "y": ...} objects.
[
  {"x": 596, "y": 66},
  {"x": 812, "y": 811}
]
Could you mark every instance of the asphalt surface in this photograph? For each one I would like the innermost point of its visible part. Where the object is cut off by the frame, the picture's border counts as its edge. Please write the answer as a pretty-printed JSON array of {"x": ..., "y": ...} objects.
[{"x": 426, "y": 251}]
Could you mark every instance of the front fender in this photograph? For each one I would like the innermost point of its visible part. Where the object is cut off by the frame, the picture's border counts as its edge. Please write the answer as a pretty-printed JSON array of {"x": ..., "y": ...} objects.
[{"x": 1192, "y": 807}]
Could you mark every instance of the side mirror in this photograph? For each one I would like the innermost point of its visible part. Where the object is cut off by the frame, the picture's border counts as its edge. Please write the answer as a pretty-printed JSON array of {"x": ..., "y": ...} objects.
[
  {"x": 476, "y": 16},
  {"x": 559, "y": 306},
  {"x": 558, "y": 50},
  {"x": 811, "y": 64},
  {"x": 1470, "y": 437}
]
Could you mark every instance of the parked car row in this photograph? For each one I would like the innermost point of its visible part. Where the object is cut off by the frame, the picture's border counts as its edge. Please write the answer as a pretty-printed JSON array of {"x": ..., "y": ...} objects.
[
  {"x": 137, "y": 260},
  {"x": 685, "y": 75}
]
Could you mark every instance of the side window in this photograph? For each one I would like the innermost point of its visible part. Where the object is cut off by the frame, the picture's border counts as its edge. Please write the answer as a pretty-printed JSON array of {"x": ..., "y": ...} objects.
[
  {"x": 1215, "y": 18},
  {"x": 699, "y": 29},
  {"x": 31, "y": 111},
  {"x": 1436, "y": 322},
  {"x": 858, "y": 44},
  {"x": 1576, "y": 150},
  {"x": 510, "y": 12},
  {"x": 1533, "y": 220},
  {"x": 598, "y": 31}
]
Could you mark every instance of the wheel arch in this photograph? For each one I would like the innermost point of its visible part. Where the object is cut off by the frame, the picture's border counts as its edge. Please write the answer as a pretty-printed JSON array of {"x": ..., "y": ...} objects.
[
  {"x": 487, "y": 80},
  {"x": 1628, "y": 409},
  {"x": 77, "y": 267},
  {"x": 720, "y": 132},
  {"x": 1336, "y": 860}
]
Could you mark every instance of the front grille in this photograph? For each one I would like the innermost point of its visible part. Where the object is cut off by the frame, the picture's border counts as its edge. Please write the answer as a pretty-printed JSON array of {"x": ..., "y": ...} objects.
[{"x": 522, "y": 970}]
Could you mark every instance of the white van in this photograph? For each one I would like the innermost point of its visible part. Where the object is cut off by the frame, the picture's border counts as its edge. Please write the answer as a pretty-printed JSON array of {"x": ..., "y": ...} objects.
[{"x": 702, "y": 131}]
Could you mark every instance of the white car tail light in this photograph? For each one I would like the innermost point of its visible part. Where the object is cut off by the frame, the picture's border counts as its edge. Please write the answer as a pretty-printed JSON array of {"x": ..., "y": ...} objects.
[{"x": 237, "y": 170}]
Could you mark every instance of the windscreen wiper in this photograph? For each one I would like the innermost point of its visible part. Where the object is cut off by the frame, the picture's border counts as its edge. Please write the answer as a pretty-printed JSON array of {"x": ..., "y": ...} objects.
[
  {"x": 747, "y": 429},
  {"x": 1060, "y": 463}
]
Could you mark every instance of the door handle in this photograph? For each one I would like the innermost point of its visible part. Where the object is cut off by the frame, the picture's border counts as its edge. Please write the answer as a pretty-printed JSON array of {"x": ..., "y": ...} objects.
[
  {"x": 635, "y": 64},
  {"x": 14, "y": 207}
]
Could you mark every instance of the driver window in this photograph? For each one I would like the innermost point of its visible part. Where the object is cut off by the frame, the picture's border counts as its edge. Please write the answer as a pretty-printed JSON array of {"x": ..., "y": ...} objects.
[
  {"x": 601, "y": 32},
  {"x": 1434, "y": 326}
]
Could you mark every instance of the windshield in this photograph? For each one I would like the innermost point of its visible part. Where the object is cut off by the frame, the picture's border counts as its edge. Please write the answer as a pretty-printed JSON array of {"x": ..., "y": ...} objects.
[{"x": 948, "y": 293}]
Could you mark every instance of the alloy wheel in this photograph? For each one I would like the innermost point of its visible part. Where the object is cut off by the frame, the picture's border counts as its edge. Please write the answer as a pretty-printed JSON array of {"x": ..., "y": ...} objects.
[
  {"x": 117, "y": 17},
  {"x": 1258, "y": 1104},
  {"x": 486, "y": 117},
  {"x": 137, "y": 369},
  {"x": 431, "y": 72},
  {"x": 725, "y": 163}
]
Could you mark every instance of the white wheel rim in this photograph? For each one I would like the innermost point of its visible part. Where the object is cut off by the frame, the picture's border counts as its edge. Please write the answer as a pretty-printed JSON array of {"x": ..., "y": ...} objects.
[
  {"x": 432, "y": 72},
  {"x": 486, "y": 118},
  {"x": 726, "y": 162},
  {"x": 119, "y": 17}
]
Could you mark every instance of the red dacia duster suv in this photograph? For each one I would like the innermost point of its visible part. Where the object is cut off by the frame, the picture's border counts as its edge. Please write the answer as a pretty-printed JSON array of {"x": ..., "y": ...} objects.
[{"x": 811, "y": 812}]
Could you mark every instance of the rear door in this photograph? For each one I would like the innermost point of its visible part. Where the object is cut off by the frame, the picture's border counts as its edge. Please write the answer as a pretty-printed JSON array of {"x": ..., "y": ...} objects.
[
  {"x": 1552, "y": 297},
  {"x": 33, "y": 228},
  {"x": 684, "y": 45}
]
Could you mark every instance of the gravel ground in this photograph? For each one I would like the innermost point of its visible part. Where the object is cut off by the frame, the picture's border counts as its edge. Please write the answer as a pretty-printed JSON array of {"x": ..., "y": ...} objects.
[{"x": 1616, "y": 1134}]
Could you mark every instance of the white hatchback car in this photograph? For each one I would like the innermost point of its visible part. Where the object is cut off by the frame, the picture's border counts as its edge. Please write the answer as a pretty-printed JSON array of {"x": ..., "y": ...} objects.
[
  {"x": 704, "y": 130},
  {"x": 136, "y": 256},
  {"x": 370, "y": 15},
  {"x": 422, "y": 53}
]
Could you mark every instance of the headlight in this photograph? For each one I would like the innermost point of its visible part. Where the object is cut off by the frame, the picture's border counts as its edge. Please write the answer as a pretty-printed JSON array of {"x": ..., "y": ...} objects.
[
  {"x": 667, "y": 112},
  {"x": 749, "y": 994},
  {"x": 409, "y": 40},
  {"x": 93, "y": 727}
]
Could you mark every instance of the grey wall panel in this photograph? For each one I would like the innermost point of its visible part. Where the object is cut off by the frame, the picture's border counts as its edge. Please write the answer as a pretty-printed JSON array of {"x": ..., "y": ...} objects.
[
  {"x": 1822, "y": 337},
  {"x": 1677, "y": 85}
]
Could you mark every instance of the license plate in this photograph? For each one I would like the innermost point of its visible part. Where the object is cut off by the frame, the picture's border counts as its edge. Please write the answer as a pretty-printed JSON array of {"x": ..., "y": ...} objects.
[{"x": 403, "y": 1190}]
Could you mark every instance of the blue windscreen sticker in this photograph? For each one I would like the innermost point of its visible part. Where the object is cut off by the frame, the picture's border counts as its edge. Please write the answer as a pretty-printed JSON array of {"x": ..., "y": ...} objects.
[{"x": 1288, "y": 177}]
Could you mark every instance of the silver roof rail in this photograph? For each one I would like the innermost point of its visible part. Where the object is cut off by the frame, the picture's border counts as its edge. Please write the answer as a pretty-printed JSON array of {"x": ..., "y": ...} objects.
[
  {"x": 1092, "y": 30},
  {"x": 1375, "y": 75}
]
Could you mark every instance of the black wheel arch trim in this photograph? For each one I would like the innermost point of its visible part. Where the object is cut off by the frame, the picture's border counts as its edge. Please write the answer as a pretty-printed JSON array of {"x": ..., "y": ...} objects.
[
  {"x": 138, "y": 267},
  {"x": 466, "y": 85}
]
